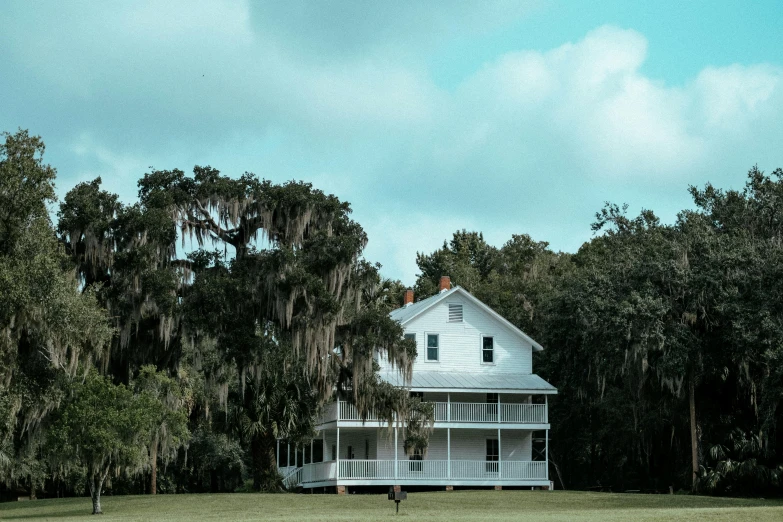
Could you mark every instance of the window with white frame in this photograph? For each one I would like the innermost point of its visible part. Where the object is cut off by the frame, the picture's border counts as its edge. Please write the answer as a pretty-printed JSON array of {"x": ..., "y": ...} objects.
[
  {"x": 488, "y": 350},
  {"x": 433, "y": 347}
]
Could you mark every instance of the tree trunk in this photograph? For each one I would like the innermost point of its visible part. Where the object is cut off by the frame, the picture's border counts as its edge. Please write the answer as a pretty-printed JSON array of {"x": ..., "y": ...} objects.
[
  {"x": 154, "y": 466},
  {"x": 32, "y": 489},
  {"x": 264, "y": 458},
  {"x": 694, "y": 436},
  {"x": 268, "y": 446},
  {"x": 256, "y": 452},
  {"x": 96, "y": 484}
]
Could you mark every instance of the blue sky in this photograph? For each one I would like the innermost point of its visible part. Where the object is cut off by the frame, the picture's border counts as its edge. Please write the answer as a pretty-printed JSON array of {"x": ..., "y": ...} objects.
[{"x": 499, "y": 116}]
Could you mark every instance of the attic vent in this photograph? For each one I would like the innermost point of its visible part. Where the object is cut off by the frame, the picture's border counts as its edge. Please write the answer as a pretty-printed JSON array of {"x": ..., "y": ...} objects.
[{"x": 455, "y": 313}]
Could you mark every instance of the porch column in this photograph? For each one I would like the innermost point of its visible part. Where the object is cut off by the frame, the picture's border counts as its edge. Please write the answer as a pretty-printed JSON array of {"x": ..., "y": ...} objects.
[
  {"x": 278, "y": 454},
  {"x": 311, "y": 451},
  {"x": 288, "y": 459},
  {"x": 448, "y": 452},
  {"x": 499, "y": 414},
  {"x": 323, "y": 445},
  {"x": 448, "y": 407},
  {"x": 337, "y": 457},
  {"x": 546, "y": 455},
  {"x": 395, "y": 452},
  {"x": 296, "y": 456},
  {"x": 500, "y": 457}
]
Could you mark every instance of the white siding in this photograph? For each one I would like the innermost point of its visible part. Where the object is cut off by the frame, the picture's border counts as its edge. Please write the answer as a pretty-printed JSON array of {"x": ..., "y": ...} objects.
[
  {"x": 460, "y": 343},
  {"x": 356, "y": 439}
]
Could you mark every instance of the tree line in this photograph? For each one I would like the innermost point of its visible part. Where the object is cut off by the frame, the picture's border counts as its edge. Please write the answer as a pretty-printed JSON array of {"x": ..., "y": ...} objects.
[
  {"x": 665, "y": 341},
  {"x": 165, "y": 345}
]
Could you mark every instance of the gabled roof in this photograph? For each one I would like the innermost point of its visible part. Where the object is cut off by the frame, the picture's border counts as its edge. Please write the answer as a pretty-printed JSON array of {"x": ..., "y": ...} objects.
[
  {"x": 407, "y": 313},
  {"x": 471, "y": 381}
]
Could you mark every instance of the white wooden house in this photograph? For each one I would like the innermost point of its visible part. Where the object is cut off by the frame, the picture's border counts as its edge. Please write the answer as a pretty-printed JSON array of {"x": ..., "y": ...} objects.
[{"x": 491, "y": 416}]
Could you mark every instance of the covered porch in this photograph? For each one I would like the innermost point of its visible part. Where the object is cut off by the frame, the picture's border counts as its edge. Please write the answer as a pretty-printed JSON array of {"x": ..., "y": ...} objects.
[
  {"x": 455, "y": 457},
  {"x": 424, "y": 472}
]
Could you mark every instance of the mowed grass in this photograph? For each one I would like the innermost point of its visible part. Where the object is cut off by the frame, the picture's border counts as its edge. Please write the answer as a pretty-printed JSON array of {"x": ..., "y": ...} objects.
[{"x": 438, "y": 506}]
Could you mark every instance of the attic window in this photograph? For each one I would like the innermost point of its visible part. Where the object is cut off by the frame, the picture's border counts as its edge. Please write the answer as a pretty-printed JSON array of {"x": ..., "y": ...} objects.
[{"x": 455, "y": 313}]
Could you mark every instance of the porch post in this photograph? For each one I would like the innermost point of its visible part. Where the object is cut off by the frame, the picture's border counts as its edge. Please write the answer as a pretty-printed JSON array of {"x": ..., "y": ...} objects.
[
  {"x": 500, "y": 457},
  {"x": 448, "y": 407},
  {"x": 288, "y": 459},
  {"x": 337, "y": 457},
  {"x": 311, "y": 451},
  {"x": 448, "y": 452},
  {"x": 296, "y": 456},
  {"x": 395, "y": 453},
  {"x": 278, "y": 454},
  {"x": 546, "y": 408},
  {"x": 323, "y": 445},
  {"x": 546, "y": 455}
]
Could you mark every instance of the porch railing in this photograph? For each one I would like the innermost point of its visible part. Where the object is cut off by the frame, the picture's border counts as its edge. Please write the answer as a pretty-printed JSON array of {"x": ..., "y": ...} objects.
[
  {"x": 293, "y": 477},
  {"x": 480, "y": 412},
  {"x": 425, "y": 470}
]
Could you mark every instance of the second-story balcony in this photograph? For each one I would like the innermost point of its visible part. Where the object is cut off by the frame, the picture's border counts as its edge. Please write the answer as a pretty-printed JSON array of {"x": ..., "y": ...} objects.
[{"x": 453, "y": 412}]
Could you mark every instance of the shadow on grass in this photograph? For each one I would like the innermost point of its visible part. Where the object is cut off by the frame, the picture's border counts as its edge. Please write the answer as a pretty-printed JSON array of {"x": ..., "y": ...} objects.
[{"x": 46, "y": 508}]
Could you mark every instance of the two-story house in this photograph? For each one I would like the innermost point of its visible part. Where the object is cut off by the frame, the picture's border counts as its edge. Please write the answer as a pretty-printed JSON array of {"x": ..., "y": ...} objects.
[{"x": 491, "y": 418}]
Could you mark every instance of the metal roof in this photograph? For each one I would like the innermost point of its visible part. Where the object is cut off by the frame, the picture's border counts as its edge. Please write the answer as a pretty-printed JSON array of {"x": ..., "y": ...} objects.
[
  {"x": 406, "y": 313},
  {"x": 467, "y": 381}
]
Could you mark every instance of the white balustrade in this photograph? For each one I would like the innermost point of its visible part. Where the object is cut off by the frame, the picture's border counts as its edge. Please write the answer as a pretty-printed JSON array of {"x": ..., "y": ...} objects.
[
  {"x": 441, "y": 411},
  {"x": 366, "y": 469},
  {"x": 349, "y": 412},
  {"x": 421, "y": 470},
  {"x": 488, "y": 412},
  {"x": 474, "y": 469},
  {"x": 293, "y": 478},
  {"x": 460, "y": 412},
  {"x": 522, "y": 470},
  {"x": 319, "y": 471},
  {"x": 523, "y": 413}
]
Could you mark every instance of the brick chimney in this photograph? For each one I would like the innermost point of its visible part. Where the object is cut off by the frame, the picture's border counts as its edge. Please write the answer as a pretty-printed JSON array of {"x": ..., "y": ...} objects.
[
  {"x": 445, "y": 283},
  {"x": 408, "y": 297}
]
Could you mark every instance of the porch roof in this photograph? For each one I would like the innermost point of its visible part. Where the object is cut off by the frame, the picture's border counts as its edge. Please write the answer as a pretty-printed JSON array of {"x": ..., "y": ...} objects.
[{"x": 472, "y": 382}]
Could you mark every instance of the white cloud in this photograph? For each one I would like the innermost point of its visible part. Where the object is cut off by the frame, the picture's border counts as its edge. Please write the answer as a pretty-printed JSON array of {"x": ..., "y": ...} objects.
[{"x": 532, "y": 141}]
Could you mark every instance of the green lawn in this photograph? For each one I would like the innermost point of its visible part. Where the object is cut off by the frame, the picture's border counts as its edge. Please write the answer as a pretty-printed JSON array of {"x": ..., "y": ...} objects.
[{"x": 445, "y": 506}]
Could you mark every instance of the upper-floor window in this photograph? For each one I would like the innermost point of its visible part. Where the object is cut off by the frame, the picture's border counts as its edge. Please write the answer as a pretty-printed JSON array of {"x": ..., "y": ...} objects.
[
  {"x": 432, "y": 347},
  {"x": 488, "y": 350},
  {"x": 455, "y": 313}
]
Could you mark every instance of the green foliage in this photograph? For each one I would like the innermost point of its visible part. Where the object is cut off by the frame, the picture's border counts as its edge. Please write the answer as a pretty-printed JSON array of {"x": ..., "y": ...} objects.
[
  {"x": 102, "y": 428},
  {"x": 48, "y": 328},
  {"x": 746, "y": 467},
  {"x": 642, "y": 312}
]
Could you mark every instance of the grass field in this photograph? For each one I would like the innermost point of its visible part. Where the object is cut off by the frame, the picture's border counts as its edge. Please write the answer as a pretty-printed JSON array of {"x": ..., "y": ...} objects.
[{"x": 438, "y": 506}]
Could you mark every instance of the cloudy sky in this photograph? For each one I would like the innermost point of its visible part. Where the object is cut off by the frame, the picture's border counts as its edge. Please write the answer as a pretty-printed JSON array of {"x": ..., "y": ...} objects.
[{"x": 499, "y": 116}]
